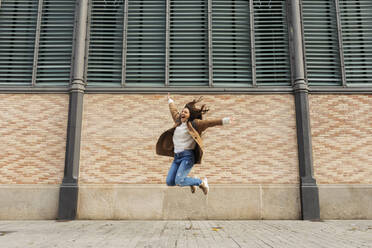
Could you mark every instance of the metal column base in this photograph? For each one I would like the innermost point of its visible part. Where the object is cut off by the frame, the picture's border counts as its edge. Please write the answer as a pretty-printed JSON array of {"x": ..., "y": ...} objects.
[
  {"x": 68, "y": 196},
  {"x": 310, "y": 202}
]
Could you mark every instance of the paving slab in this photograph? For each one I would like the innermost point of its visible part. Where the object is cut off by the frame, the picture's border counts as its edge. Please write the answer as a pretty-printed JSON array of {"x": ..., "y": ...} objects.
[{"x": 190, "y": 234}]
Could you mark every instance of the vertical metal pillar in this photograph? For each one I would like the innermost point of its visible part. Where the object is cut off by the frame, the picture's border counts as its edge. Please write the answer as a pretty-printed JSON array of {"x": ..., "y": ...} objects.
[
  {"x": 167, "y": 41},
  {"x": 125, "y": 45},
  {"x": 68, "y": 194},
  {"x": 308, "y": 187},
  {"x": 253, "y": 49},
  {"x": 37, "y": 41},
  {"x": 87, "y": 41},
  {"x": 210, "y": 45},
  {"x": 340, "y": 43}
]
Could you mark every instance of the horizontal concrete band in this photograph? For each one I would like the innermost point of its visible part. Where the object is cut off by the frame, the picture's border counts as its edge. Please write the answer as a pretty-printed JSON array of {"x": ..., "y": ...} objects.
[
  {"x": 174, "y": 203},
  {"x": 186, "y": 90},
  {"x": 28, "y": 202},
  {"x": 345, "y": 202},
  {"x": 158, "y": 202}
]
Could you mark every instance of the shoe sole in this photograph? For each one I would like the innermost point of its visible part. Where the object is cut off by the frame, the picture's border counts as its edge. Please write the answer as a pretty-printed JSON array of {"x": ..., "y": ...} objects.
[{"x": 206, "y": 187}]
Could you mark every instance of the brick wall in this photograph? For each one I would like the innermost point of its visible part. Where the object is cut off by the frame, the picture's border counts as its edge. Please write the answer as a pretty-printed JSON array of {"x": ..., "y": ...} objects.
[
  {"x": 33, "y": 138},
  {"x": 120, "y": 132},
  {"x": 342, "y": 138}
]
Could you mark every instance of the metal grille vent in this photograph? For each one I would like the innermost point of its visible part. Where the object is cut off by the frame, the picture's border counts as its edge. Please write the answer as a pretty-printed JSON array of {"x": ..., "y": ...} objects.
[
  {"x": 106, "y": 43},
  {"x": 356, "y": 20},
  {"x": 17, "y": 40},
  {"x": 271, "y": 43},
  {"x": 188, "y": 55},
  {"x": 321, "y": 43},
  {"x": 231, "y": 43},
  {"x": 55, "y": 47},
  {"x": 145, "y": 51}
]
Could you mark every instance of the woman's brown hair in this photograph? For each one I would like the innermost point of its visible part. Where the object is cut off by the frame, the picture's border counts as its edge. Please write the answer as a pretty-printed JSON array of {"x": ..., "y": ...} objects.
[{"x": 196, "y": 113}]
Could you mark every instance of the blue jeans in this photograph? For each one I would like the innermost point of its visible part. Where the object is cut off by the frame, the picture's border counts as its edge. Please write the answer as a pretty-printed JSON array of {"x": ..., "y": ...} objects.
[{"x": 180, "y": 168}]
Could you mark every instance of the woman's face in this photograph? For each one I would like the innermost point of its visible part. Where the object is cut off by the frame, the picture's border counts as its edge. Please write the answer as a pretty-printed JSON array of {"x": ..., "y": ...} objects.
[{"x": 185, "y": 114}]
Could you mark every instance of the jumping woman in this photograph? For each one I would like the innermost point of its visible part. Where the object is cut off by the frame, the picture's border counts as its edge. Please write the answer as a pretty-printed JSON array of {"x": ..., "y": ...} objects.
[{"x": 183, "y": 142}]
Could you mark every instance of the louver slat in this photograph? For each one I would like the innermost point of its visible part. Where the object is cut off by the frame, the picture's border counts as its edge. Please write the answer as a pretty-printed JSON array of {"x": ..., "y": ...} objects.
[
  {"x": 231, "y": 43},
  {"x": 271, "y": 43},
  {"x": 106, "y": 43},
  {"x": 188, "y": 57},
  {"x": 17, "y": 38},
  {"x": 145, "y": 62},
  {"x": 55, "y": 47},
  {"x": 356, "y": 20},
  {"x": 321, "y": 42}
]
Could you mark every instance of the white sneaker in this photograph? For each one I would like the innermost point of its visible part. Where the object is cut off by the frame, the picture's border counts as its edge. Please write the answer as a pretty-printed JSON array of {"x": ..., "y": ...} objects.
[{"x": 204, "y": 186}]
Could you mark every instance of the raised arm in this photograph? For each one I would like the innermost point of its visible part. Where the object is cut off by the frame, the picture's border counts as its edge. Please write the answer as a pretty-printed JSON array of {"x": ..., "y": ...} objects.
[
  {"x": 173, "y": 110},
  {"x": 202, "y": 125}
]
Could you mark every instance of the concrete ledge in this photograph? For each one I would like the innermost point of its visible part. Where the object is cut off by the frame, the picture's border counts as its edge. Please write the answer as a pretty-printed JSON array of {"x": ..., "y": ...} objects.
[
  {"x": 345, "y": 201},
  {"x": 281, "y": 202},
  {"x": 28, "y": 202},
  {"x": 159, "y": 202}
]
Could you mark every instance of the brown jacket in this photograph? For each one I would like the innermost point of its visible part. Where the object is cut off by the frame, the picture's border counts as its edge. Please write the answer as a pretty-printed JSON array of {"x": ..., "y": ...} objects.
[{"x": 165, "y": 145}]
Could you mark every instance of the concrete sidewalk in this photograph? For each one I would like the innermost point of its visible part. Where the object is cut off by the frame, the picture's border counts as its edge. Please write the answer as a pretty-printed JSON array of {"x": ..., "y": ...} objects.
[{"x": 102, "y": 234}]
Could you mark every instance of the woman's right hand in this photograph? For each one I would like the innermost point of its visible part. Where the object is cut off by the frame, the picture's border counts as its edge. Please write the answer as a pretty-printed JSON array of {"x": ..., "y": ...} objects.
[{"x": 169, "y": 98}]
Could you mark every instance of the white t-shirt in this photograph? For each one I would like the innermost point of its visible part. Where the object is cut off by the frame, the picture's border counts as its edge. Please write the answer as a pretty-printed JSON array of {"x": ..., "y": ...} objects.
[{"x": 182, "y": 139}]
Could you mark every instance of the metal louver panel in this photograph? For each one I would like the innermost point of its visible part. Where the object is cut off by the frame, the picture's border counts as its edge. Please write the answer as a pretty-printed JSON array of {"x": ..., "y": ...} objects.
[
  {"x": 231, "y": 43},
  {"x": 18, "y": 20},
  {"x": 145, "y": 60},
  {"x": 356, "y": 20},
  {"x": 55, "y": 47},
  {"x": 106, "y": 43},
  {"x": 271, "y": 43},
  {"x": 321, "y": 42},
  {"x": 188, "y": 57}
]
